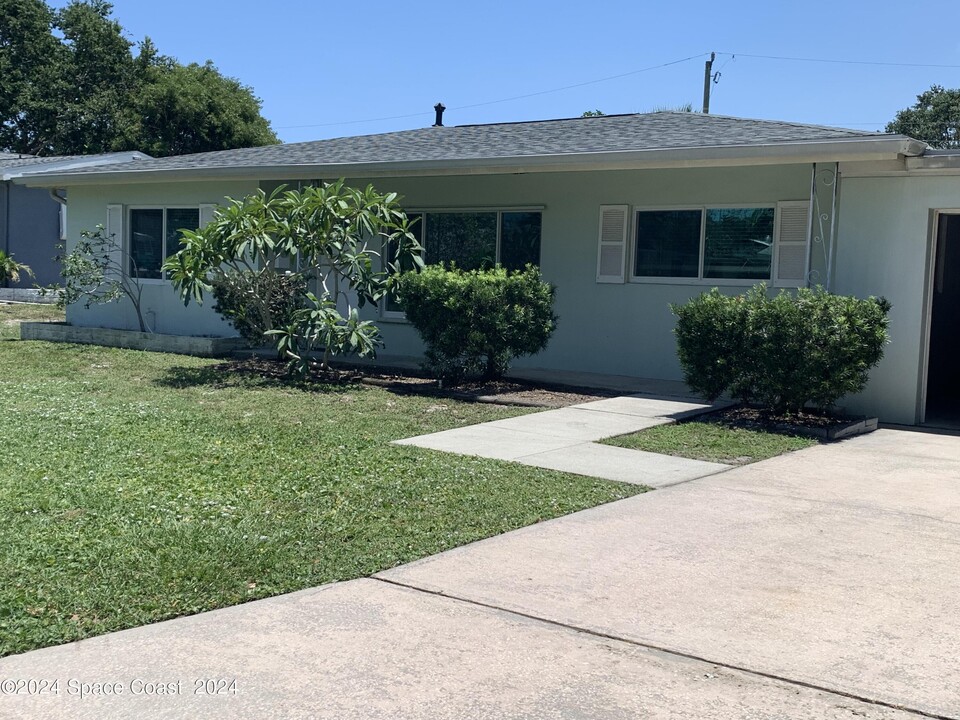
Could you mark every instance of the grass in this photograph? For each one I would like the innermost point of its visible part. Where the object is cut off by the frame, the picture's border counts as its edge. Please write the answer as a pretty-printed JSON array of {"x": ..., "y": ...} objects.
[
  {"x": 11, "y": 314},
  {"x": 141, "y": 486},
  {"x": 712, "y": 441}
]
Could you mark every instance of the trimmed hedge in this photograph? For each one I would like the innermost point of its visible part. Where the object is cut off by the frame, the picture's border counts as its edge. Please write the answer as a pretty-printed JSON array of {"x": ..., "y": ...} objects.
[
  {"x": 783, "y": 352},
  {"x": 475, "y": 323}
]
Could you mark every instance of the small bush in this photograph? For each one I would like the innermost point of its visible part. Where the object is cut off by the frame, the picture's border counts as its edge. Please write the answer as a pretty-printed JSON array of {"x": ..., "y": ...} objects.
[
  {"x": 783, "y": 352},
  {"x": 257, "y": 302},
  {"x": 475, "y": 323}
]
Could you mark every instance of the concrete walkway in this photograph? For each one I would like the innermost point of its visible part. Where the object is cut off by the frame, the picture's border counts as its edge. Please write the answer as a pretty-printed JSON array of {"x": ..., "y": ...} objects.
[
  {"x": 565, "y": 439},
  {"x": 820, "y": 584}
]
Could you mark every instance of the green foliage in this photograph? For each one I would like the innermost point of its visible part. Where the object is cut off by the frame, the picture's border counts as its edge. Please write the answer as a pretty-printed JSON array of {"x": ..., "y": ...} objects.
[
  {"x": 475, "y": 323},
  {"x": 593, "y": 113},
  {"x": 98, "y": 271},
  {"x": 935, "y": 118},
  {"x": 329, "y": 235},
  {"x": 69, "y": 84},
  {"x": 781, "y": 352},
  {"x": 255, "y": 302},
  {"x": 193, "y": 108},
  {"x": 11, "y": 270}
]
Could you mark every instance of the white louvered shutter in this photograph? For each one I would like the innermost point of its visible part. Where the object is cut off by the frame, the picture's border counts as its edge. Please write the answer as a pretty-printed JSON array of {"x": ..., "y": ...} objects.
[
  {"x": 612, "y": 243},
  {"x": 792, "y": 251},
  {"x": 119, "y": 242}
]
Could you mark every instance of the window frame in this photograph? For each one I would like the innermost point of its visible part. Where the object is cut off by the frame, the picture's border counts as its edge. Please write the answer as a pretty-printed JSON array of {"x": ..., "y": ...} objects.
[
  {"x": 401, "y": 316},
  {"x": 700, "y": 280},
  {"x": 128, "y": 238}
]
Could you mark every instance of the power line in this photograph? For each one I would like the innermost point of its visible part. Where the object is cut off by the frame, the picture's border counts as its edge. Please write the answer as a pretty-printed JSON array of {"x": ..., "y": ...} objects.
[
  {"x": 588, "y": 82},
  {"x": 841, "y": 62},
  {"x": 503, "y": 100}
]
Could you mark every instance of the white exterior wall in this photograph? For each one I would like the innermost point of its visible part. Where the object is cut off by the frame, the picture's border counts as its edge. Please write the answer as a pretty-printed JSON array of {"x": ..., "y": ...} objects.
[
  {"x": 883, "y": 248},
  {"x": 162, "y": 306},
  {"x": 603, "y": 328}
]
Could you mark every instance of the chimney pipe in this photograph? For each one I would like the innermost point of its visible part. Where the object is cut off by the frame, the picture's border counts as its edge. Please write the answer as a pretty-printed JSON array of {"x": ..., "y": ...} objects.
[{"x": 439, "y": 108}]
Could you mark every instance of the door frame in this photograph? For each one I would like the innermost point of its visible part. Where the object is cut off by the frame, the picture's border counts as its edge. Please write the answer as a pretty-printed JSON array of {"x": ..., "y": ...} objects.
[{"x": 932, "y": 247}]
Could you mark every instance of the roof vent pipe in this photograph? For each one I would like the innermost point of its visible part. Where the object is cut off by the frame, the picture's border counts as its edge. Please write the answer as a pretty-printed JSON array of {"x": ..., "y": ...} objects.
[{"x": 439, "y": 108}]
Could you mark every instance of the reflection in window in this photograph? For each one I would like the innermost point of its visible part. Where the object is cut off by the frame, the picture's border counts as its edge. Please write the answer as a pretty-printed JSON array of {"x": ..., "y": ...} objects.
[
  {"x": 738, "y": 243},
  {"x": 668, "y": 243}
]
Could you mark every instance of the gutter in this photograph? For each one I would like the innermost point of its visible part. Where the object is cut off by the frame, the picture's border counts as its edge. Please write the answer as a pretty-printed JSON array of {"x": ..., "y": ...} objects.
[{"x": 858, "y": 149}]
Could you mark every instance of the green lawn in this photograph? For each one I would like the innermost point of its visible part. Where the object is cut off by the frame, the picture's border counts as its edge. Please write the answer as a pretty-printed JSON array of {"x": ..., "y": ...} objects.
[
  {"x": 143, "y": 486},
  {"x": 712, "y": 441}
]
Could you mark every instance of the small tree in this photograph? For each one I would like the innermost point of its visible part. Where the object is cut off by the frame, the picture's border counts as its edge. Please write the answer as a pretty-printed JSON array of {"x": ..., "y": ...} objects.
[
  {"x": 99, "y": 271},
  {"x": 329, "y": 237},
  {"x": 475, "y": 323},
  {"x": 11, "y": 270}
]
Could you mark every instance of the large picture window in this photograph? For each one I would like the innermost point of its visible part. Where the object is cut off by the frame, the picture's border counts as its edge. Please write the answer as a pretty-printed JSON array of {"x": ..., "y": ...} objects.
[
  {"x": 705, "y": 243},
  {"x": 155, "y": 236},
  {"x": 475, "y": 240}
]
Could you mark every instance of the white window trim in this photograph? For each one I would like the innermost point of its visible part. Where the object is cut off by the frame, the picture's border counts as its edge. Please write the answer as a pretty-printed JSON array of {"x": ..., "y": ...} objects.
[
  {"x": 128, "y": 230},
  {"x": 700, "y": 280},
  {"x": 399, "y": 315}
]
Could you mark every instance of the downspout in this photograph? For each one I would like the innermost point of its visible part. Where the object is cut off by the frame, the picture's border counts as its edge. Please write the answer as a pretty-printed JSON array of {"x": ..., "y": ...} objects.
[{"x": 59, "y": 198}]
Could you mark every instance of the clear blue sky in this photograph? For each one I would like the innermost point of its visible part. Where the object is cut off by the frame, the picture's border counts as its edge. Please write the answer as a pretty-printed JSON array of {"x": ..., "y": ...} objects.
[{"x": 330, "y": 64}]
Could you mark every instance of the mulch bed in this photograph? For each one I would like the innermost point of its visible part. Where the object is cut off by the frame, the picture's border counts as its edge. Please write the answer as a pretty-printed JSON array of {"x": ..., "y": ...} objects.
[
  {"x": 812, "y": 424},
  {"x": 414, "y": 382}
]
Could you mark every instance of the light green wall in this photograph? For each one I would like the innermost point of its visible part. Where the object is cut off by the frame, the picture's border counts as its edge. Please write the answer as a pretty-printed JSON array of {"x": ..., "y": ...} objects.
[
  {"x": 617, "y": 329},
  {"x": 623, "y": 329},
  {"x": 88, "y": 208},
  {"x": 883, "y": 249}
]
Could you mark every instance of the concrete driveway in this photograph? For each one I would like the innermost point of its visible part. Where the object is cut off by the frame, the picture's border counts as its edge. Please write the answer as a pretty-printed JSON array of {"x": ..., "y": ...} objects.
[{"x": 822, "y": 584}]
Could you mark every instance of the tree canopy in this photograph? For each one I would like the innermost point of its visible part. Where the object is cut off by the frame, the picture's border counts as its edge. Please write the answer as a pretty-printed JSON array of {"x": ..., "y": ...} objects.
[
  {"x": 935, "y": 118},
  {"x": 70, "y": 83}
]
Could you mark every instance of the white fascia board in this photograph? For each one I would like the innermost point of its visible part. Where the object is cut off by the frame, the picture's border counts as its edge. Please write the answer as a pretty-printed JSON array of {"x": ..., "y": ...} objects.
[
  {"x": 944, "y": 161},
  {"x": 886, "y": 148}
]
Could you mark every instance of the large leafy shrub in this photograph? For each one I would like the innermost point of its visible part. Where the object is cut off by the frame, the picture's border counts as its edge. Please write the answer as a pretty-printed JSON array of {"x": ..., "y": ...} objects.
[
  {"x": 475, "y": 323},
  {"x": 256, "y": 302},
  {"x": 782, "y": 352}
]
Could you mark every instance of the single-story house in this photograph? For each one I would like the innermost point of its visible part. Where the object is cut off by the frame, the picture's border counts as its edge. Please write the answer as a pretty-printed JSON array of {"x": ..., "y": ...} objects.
[
  {"x": 625, "y": 214},
  {"x": 33, "y": 220}
]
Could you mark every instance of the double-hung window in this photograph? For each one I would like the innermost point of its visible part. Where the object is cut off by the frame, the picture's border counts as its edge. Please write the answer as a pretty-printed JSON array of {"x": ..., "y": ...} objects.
[
  {"x": 710, "y": 243},
  {"x": 154, "y": 235}
]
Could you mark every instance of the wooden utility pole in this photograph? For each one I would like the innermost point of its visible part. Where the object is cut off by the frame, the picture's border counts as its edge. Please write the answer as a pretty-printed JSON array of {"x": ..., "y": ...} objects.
[{"x": 707, "y": 78}]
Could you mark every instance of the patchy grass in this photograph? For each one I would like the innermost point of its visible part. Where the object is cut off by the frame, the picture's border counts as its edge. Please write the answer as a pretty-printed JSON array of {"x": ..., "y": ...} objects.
[
  {"x": 712, "y": 441},
  {"x": 141, "y": 486},
  {"x": 12, "y": 314}
]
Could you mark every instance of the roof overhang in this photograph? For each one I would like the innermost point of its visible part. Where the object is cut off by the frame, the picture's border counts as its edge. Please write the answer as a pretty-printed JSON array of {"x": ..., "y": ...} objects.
[
  {"x": 56, "y": 167},
  {"x": 855, "y": 149}
]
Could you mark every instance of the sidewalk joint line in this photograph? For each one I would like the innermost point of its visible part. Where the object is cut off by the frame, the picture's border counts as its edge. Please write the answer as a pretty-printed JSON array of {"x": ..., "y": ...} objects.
[{"x": 668, "y": 651}]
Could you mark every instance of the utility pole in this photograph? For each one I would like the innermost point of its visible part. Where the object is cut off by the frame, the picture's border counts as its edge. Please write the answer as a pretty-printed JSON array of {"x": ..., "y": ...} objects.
[{"x": 707, "y": 78}]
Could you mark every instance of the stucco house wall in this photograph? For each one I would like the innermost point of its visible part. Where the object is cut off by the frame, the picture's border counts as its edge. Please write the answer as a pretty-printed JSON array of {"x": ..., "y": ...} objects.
[
  {"x": 884, "y": 248},
  {"x": 162, "y": 307}
]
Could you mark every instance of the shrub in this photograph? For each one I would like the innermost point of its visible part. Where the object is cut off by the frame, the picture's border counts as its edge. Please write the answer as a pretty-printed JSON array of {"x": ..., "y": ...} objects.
[
  {"x": 782, "y": 352},
  {"x": 475, "y": 323},
  {"x": 255, "y": 303}
]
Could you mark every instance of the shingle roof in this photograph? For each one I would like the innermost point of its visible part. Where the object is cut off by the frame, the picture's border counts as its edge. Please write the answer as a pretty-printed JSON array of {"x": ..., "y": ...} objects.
[
  {"x": 13, "y": 166},
  {"x": 609, "y": 133},
  {"x": 12, "y": 160}
]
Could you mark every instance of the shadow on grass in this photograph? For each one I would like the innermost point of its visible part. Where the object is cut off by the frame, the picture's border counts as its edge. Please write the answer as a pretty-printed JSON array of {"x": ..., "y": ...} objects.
[{"x": 257, "y": 374}]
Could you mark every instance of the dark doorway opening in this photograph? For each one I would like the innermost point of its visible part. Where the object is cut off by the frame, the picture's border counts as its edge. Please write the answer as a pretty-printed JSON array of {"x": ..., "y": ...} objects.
[{"x": 943, "y": 364}]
